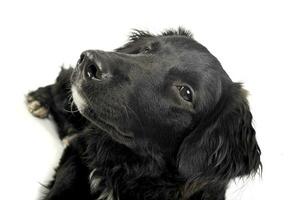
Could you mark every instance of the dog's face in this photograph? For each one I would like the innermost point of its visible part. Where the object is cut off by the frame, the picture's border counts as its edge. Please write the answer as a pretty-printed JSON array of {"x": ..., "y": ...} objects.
[
  {"x": 165, "y": 91},
  {"x": 154, "y": 88}
]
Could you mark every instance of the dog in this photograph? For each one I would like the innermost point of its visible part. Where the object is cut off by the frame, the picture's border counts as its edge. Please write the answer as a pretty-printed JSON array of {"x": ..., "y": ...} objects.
[{"x": 155, "y": 119}]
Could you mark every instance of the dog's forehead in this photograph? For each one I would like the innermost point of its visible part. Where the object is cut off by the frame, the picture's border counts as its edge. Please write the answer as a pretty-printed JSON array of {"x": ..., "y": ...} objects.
[
  {"x": 193, "y": 60},
  {"x": 175, "y": 40}
]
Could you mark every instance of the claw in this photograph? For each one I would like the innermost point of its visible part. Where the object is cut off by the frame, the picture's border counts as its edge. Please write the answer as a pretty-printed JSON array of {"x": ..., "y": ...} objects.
[
  {"x": 41, "y": 112},
  {"x": 29, "y": 98},
  {"x": 33, "y": 105}
]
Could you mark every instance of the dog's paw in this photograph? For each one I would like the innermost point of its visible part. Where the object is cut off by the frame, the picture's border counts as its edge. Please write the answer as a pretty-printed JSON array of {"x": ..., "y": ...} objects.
[
  {"x": 36, "y": 108},
  {"x": 67, "y": 140}
]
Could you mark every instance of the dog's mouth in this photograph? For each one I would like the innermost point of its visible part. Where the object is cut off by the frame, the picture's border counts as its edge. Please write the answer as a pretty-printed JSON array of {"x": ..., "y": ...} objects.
[
  {"x": 112, "y": 130},
  {"x": 86, "y": 109},
  {"x": 78, "y": 98}
]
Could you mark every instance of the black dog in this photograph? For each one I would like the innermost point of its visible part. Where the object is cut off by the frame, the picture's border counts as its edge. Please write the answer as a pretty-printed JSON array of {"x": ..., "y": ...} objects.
[{"x": 158, "y": 119}]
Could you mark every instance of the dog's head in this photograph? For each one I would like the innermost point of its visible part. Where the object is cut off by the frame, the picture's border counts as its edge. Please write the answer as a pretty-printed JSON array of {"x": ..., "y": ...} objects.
[{"x": 168, "y": 92}]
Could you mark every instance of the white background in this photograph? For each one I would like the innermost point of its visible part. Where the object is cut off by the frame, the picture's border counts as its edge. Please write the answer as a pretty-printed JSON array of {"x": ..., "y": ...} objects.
[{"x": 257, "y": 42}]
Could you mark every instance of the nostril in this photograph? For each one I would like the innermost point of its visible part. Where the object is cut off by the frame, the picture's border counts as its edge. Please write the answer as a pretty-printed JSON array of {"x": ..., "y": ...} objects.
[
  {"x": 90, "y": 66},
  {"x": 93, "y": 72}
]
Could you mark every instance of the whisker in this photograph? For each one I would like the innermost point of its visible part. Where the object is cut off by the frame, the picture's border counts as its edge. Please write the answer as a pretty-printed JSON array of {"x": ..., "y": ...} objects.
[
  {"x": 71, "y": 103},
  {"x": 136, "y": 116},
  {"x": 125, "y": 108},
  {"x": 74, "y": 106}
]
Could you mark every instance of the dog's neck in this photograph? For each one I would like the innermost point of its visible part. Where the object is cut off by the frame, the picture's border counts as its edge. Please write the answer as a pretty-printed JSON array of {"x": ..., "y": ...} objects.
[{"x": 110, "y": 167}]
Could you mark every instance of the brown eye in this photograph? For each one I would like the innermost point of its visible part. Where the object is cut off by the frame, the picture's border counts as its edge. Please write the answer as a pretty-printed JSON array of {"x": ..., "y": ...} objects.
[{"x": 185, "y": 93}]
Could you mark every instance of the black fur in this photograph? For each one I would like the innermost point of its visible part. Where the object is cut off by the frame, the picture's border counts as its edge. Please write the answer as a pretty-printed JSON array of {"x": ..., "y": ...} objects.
[{"x": 136, "y": 136}]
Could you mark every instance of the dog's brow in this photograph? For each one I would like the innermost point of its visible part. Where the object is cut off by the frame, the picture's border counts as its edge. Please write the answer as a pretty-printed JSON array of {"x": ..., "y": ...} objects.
[{"x": 190, "y": 77}]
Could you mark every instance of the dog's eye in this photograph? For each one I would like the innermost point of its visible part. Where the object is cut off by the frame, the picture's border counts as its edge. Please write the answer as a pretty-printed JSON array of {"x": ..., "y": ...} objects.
[
  {"x": 146, "y": 50},
  {"x": 185, "y": 93}
]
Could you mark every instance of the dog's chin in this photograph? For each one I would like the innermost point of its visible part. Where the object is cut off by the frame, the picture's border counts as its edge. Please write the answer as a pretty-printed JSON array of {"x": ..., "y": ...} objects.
[
  {"x": 78, "y": 99},
  {"x": 83, "y": 107}
]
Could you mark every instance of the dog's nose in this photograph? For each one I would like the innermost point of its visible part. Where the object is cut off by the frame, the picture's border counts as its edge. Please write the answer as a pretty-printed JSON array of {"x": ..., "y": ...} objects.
[{"x": 89, "y": 64}]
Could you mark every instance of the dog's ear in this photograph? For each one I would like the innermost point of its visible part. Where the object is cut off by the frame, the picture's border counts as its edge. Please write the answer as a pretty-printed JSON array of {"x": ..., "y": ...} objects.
[{"x": 223, "y": 144}]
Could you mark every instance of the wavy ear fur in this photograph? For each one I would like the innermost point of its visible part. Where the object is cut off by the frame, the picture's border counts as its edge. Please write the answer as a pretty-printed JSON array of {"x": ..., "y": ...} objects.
[{"x": 223, "y": 145}]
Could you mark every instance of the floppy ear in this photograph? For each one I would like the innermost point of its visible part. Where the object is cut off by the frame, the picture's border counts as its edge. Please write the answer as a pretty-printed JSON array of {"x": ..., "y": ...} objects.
[{"x": 223, "y": 145}]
